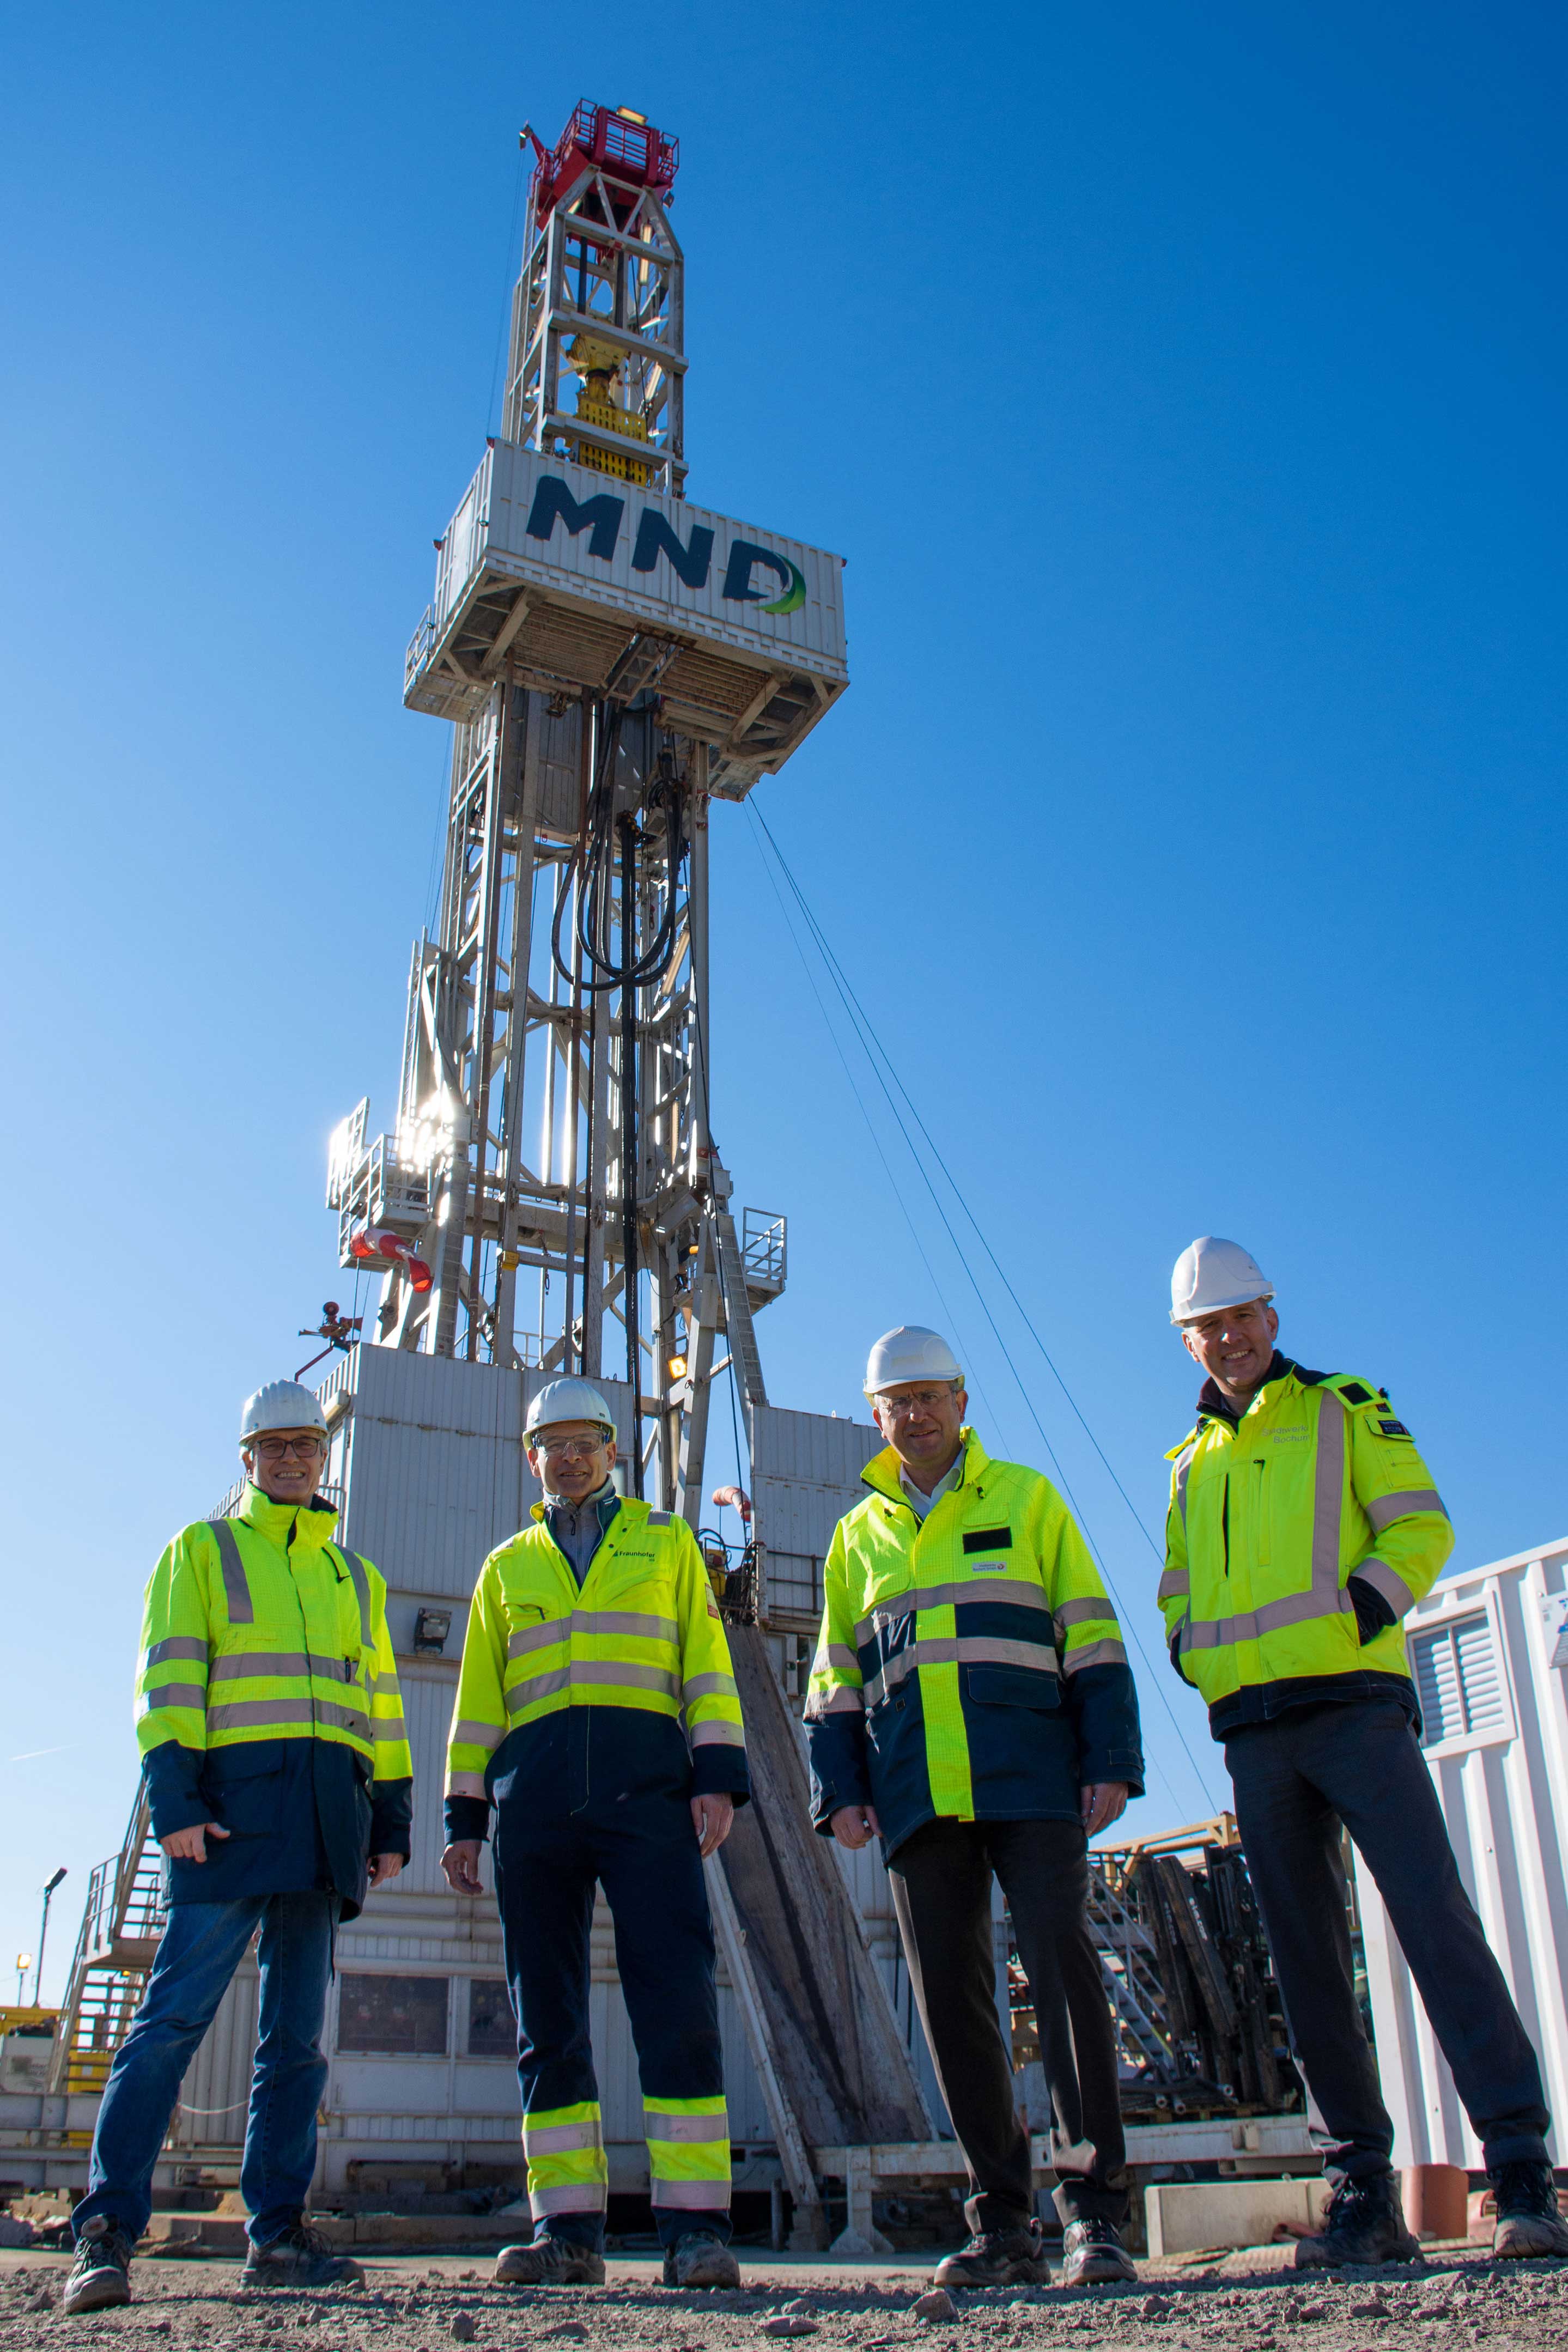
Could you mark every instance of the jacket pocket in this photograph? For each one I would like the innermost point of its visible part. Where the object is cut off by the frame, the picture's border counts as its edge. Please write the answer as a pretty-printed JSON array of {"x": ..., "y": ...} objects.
[
  {"x": 1013, "y": 1686},
  {"x": 242, "y": 1786}
]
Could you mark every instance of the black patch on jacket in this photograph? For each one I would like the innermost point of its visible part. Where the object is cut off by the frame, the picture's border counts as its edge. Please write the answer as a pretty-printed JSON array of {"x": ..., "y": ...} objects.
[
  {"x": 988, "y": 1540},
  {"x": 1354, "y": 1393},
  {"x": 1393, "y": 1429}
]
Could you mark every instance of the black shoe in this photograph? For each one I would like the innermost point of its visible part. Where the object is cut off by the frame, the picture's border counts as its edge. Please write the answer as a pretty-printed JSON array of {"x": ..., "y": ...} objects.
[
  {"x": 1364, "y": 2223},
  {"x": 549, "y": 2262},
  {"x": 300, "y": 2257},
  {"x": 998, "y": 2258},
  {"x": 101, "y": 2274},
  {"x": 699, "y": 2258},
  {"x": 1095, "y": 2254},
  {"x": 1529, "y": 2220}
]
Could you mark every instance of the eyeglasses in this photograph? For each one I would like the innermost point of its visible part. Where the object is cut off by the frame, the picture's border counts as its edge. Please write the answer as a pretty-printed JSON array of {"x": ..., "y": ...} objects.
[
  {"x": 277, "y": 1449},
  {"x": 568, "y": 1449},
  {"x": 897, "y": 1408}
]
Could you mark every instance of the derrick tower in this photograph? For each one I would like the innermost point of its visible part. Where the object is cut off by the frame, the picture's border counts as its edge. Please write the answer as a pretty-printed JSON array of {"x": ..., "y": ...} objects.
[{"x": 612, "y": 660}]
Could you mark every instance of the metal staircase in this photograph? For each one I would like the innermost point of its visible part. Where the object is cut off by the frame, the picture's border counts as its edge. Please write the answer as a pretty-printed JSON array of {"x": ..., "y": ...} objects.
[
  {"x": 1127, "y": 1963},
  {"x": 121, "y": 1926}
]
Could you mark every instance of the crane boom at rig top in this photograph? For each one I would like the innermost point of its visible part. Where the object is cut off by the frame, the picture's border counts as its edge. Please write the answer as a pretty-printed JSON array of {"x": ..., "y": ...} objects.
[{"x": 612, "y": 659}]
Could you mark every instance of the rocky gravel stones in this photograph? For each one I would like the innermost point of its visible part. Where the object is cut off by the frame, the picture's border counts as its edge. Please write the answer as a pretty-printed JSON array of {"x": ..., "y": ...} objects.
[{"x": 934, "y": 2304}]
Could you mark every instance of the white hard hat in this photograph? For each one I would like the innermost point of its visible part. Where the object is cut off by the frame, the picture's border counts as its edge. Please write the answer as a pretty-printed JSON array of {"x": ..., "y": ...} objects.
[
  {"x": 568, "y": 1401},
  {"x": 909, "y": 1353},
  {"x": 281, "y": 1404},
  {"x": 1211, "y": 1273}
]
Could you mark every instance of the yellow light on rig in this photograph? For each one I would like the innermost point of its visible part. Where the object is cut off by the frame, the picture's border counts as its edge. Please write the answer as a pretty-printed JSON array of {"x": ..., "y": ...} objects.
[
  {"x": 677, "y": 1368},
  {"x": 630, "y": 114}
]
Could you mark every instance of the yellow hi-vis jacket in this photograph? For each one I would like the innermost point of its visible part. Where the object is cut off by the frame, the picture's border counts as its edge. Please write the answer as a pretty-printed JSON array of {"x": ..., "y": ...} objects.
[
  {"x": 264, "y": 1644},
  {"x": 641, "y": 1643},
  {"x": 970, "y": 1665},
  {"x": 1278, "y": 1524}
]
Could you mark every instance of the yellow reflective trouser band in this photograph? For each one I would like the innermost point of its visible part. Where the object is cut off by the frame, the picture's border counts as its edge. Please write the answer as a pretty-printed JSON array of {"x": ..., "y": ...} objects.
[
  {"x": 689, "y": 2152},
  {"x": 566, "y": 2168}
]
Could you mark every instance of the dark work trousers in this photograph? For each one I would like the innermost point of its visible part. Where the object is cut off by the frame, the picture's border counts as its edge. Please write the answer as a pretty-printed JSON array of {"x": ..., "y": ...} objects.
[
  {"x": 1358, "y": 1762},
  {"x": 641, "y": 1847},
  {"x": 942, "y": 1893}
]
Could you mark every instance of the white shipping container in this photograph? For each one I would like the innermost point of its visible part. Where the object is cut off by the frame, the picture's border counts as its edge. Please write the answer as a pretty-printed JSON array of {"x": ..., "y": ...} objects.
[{"x": 1488, "y": 1653}]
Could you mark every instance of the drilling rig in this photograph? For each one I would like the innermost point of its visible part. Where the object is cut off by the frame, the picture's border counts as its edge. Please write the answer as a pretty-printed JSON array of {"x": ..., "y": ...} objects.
[
  {"x": 613, "y": 660},
  {"x": 614, "y": 663}
]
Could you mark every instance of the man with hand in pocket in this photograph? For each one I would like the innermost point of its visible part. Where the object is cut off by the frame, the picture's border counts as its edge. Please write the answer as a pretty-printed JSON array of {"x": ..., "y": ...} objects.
[
  {"x": 279, "y": 1785},
  {"x": 970, "y": 1702}
]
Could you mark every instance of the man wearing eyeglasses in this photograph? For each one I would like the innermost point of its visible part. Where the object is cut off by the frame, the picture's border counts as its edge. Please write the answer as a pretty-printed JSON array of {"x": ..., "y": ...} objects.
[
  {"x": 970, "y": 1702},
  {"x": 278, "y": 1781},
  {"x": 593, "y": 1637}
]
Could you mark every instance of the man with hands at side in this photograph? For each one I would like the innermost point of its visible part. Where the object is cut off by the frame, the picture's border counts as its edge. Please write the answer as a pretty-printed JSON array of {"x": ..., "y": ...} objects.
[
  {"x": 594, "y": 1636},
  {"x": 972, "y": 1705}
]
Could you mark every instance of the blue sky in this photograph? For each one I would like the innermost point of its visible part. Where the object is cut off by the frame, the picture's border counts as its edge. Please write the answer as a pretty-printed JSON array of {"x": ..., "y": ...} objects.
[{"x": 1185, "y": 387}]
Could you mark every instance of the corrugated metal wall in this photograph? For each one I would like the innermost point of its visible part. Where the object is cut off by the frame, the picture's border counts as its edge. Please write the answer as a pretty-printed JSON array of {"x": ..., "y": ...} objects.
[
  {"x": 1491, "y": 1647},
  {"x": 805, "y": 1473}
]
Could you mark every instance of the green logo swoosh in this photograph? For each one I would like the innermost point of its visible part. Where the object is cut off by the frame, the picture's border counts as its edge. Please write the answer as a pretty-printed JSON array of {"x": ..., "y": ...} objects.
[{"x": 793, "y": 597}]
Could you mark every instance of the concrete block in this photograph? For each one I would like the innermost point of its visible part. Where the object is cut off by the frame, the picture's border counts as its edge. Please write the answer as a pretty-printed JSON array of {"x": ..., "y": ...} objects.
[{"x": 1187, "y": 2217}]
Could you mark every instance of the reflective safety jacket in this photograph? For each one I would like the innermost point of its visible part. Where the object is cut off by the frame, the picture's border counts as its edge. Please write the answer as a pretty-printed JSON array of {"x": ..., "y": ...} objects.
[
  {"x": 640, "y": 1646},
  {"x": 266, "y": 1699},
  {"x": 1280, "y": 1523},
  {"x": 970, "y": 1665}
]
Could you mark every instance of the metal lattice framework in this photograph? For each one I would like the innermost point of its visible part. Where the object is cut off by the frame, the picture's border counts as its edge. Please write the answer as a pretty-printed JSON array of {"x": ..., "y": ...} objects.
[
  {"x": 553, "y": 1126},
  {"x": 603, "y": 264}
]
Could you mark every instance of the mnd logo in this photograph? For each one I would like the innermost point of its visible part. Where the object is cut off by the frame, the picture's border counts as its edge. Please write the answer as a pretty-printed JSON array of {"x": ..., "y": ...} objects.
[{"x": 690, "y": 560}]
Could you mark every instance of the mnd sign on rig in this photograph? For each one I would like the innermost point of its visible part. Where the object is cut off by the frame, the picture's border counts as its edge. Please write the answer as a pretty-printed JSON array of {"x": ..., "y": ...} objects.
[{"x": 577, "y": 580}]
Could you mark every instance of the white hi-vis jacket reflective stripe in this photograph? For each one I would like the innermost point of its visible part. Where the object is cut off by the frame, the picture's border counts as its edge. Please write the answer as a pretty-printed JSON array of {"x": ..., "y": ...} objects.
[
  {"x": 642, "y": 1636},
  {"x": 1271, "y": 1520}
]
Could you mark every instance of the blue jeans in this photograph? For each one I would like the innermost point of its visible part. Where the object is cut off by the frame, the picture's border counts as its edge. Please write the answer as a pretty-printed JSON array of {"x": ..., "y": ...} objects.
[{"x": 202, "y": 1946}]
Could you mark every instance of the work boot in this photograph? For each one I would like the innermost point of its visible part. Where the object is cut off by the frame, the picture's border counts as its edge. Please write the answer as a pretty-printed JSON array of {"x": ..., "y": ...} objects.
[
  {"x": 1529, "y": 2218},
  {"x": 300, "y": 2256},
  {"x": 549, "y": 2261},
  {"x": 1095, "y": 2254},
  {"x": 101, "y": 2274},
  {"x": 998, "y": 2258},
  {"x": 1365, "y": 2223},
  {"x": 699, "y": 2258}
]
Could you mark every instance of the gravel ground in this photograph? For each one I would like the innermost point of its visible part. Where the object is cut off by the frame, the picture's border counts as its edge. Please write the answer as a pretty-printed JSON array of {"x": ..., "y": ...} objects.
[{"x": 418, "y": 2304}]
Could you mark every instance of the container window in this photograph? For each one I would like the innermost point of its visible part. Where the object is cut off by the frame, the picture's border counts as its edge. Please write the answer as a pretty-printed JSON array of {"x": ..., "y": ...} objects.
[
  {"x": 492, "y": 2028},
  {"x": 404, "y": 2017},
  {"x": 1458, "y": 1679}
]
